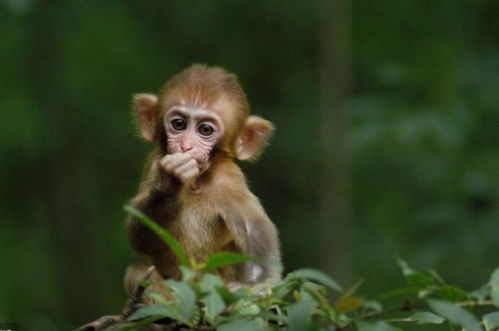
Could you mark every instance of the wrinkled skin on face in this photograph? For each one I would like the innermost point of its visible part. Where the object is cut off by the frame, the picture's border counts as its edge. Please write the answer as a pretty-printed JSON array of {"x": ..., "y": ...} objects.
[{"x": 192, "y": 134}]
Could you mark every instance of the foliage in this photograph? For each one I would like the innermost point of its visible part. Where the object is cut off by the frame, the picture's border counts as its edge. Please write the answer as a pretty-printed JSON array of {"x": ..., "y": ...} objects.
[
  {"x": 301, "y": 301},
  {"x": 421, "y": 133}
]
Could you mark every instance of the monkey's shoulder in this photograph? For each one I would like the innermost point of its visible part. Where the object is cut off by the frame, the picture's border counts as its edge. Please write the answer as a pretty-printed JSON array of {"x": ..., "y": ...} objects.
[{"x": 225, "y": 192}]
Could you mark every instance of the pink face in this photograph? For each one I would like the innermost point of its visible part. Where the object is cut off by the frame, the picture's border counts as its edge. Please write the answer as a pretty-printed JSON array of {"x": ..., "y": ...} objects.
[{"x": 192, "y": 130}]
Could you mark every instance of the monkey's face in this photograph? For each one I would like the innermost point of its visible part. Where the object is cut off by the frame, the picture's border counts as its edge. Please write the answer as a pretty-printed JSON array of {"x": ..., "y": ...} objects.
[
  {"x": 202, "y": 111},
  {"x": 192, "y": 130}
]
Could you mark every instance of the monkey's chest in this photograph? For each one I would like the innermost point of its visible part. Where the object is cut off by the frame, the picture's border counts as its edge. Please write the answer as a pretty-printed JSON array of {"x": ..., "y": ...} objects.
[{"x": 201, "y": 233}]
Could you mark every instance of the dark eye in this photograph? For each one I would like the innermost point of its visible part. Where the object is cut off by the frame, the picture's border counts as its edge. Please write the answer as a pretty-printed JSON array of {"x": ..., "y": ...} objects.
[
  {"x": 206, "y": 130},
  {"x": 178, "y": 124}
]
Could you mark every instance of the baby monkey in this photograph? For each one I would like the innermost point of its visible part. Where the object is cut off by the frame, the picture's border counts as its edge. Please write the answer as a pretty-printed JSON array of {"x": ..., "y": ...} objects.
[{"x": 200, "y": 122}]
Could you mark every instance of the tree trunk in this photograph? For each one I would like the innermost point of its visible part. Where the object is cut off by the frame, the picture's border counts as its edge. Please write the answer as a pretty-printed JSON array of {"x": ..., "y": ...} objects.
[
  {"x": 67, "y": 194},
  {"x": 334, "y": 182}
]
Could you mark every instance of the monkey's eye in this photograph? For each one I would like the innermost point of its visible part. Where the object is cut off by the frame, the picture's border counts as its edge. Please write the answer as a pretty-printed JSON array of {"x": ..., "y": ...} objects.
[
  {"x": 178, "y": 124},
  {"x": 206, "y": 130}
]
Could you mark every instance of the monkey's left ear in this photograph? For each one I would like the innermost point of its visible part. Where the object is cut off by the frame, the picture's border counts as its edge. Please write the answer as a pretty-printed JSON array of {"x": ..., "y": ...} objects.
[
  {"x": 145, "y": 107},
  {"x": 254, "y": 136}
]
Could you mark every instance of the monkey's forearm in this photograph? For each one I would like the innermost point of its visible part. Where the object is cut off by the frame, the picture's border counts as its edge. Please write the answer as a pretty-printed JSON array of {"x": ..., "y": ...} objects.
[
  {"x": 263, "y": 246},
  {"x": 160, "y": 203},
  {"x": 263, "y": 268}
]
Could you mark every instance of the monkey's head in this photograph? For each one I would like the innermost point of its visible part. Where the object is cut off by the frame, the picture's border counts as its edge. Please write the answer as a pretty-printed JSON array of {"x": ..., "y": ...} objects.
[{"x": 202, "y": 110}]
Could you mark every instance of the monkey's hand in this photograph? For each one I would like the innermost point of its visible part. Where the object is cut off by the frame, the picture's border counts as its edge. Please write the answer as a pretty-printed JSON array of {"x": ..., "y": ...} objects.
[{"x": 182, "y": 166}]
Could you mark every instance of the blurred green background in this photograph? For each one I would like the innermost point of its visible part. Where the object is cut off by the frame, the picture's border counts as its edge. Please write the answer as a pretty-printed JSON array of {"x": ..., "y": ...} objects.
[{"x": 387, "y": 116}]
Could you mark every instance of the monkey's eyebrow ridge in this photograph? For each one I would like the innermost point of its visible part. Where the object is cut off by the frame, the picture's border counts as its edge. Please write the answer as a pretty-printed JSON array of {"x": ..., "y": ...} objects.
[{"x": 191, "y": 112}]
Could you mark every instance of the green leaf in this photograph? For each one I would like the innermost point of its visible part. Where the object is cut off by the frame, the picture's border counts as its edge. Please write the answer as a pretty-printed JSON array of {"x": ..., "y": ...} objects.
[
  {"x": 491, "y": 320},
  {"x": 166, "y": 236},
  {"x": 306, "y": 295},
  {"x": 420, "y": 279},
  {"x": 160, "y": 298},
  {"x": 213, "y": 302},
  {"x": 209, "y": 281},
  {"x": 401, "y": 292},
  {"x": 186, "y": 299},
  {"x": 246, "y": 309},
  {"x": 346, "y": 304},
  {"x": 494, "y": 279},
  {"x": 152, "y": 310},
  {"x": 451, "y": 293},
  {"x": 495, "y": 295},
  {"x": 437, "y": 277},
  {"x": 228, "y": 296},
  {"x": 372, "y": 306},
  {"x": 317, "y": 276},
  {"x": 187, "y": 273},
  {"x": 219, "y": 260},
  {"x": 242, "y": 325},
  {"x": 406, "y": 270},
  {"x": 494, "y": 283},
  {"x": 317, "y": 293},
  {"x": 314, "y": 287},
  {"x": 214, "y": 305},
  {"x": 376, "y": 326},
  {"x": 455, "y": 314},
  {"x": 482, "y": 293},
  {"x": 353, "y": 289},
  {"x": 270, "y": 316},
  {"x": 299, "y": 316},
  {"x": 286, "y": 286},
  {"x": 426, "y": 317}
]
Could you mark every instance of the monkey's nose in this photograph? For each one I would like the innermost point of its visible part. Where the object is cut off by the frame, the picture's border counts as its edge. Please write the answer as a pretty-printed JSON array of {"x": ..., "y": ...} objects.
[{"x": 185, "y": 148}]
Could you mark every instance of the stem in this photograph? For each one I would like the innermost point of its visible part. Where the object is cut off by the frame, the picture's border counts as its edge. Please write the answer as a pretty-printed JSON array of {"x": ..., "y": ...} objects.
[{"x": 474, "y": 303}]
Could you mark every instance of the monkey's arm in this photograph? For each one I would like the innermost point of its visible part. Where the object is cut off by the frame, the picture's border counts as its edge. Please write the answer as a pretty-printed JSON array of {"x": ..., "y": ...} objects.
[
  {"x": 158, "y": 199},
  {"x": 256, "y": 236}
]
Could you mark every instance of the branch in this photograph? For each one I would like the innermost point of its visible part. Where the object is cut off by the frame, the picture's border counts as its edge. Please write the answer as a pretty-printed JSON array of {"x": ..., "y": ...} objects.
[{"x": 109, "y": 322}]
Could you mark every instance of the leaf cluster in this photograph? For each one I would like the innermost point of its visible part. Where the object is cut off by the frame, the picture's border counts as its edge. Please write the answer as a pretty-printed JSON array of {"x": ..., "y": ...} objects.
[{"x": 302, "y": 300}]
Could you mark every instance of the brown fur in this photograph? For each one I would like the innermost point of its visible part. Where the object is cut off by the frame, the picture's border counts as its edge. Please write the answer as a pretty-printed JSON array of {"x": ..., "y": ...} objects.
[{"x": 218, "y": 212}]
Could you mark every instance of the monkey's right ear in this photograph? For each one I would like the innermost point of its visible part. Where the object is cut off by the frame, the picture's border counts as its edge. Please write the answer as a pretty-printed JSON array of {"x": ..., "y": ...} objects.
[{"x": 145, "y": 105}]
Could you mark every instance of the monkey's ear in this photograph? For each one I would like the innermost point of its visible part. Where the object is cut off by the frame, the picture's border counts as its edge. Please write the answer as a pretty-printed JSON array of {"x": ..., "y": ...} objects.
[
  {"x": 253, "y": 139},
  {"x": 145, "y": 105}
]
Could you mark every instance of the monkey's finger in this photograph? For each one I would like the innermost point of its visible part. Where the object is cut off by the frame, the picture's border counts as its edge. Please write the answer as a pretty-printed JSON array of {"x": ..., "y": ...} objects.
[
  {"x": 194, "y": 153},
  {"x": 170, "y": 162},
  {"x": 188, "y": 172},
  {"x": 174, "y": 159},
  {"x": 189, "y": 175},
  {"x": 199, "y": 156},
  {"x": 185, "y": 167}
]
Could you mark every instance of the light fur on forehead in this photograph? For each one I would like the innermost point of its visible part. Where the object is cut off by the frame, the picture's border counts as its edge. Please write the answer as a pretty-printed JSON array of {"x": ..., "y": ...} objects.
[
  {"x": 201, "y": 87},
  {"x": 211, "y": 88}
]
